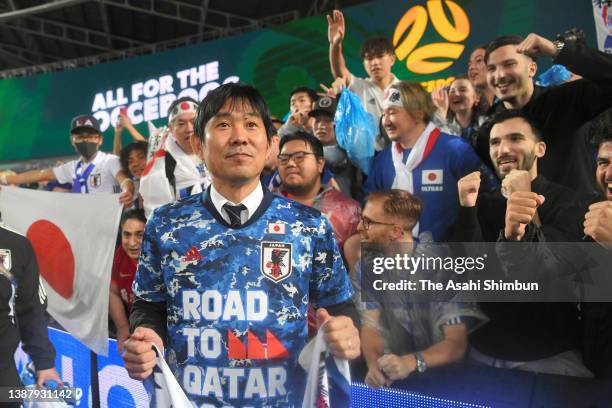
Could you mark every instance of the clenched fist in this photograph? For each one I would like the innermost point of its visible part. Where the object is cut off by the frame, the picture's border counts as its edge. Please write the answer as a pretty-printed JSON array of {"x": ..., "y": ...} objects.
[
  {"x": 468, "y": 187},
  {"x": 520, "y": 211},
  {"x": 516, "y": 180},
  {"x": 598, "y": 223}
]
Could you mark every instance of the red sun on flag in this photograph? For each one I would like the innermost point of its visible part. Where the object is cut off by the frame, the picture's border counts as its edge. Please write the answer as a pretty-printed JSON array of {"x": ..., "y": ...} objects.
[
  {"x": 432, "y": 176},
  {"x": 54, "y": 255}
]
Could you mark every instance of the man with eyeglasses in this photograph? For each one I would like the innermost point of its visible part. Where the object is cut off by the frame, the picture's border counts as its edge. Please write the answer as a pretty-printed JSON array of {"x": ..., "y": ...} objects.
[
  {"x": 94, "y": 171},
  {"x": 300, "y": 165},
  {"x": 402, "y": 336}
]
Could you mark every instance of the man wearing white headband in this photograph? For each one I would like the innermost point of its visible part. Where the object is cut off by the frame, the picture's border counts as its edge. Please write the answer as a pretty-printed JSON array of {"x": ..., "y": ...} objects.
[
  {"x": 422, "y": 160},
  {"x": 174, "y": 172}
]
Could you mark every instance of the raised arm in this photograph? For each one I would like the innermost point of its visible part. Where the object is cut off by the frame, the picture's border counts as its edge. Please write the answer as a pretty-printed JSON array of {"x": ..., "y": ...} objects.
[
  {"x": 32, "y": 176},
  {"x": 335, "y": 35}
]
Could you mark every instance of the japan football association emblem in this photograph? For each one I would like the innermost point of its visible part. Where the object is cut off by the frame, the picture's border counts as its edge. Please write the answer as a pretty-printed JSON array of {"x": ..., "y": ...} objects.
[
  {"x": 276, "y": 260},
  {"x": 5, "y": 259}
]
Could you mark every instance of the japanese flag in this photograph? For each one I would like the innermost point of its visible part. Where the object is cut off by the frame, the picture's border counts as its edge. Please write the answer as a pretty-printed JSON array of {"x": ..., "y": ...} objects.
[
  {"x": 73, "y": 236},
  {"x": 328, "y": 378}
]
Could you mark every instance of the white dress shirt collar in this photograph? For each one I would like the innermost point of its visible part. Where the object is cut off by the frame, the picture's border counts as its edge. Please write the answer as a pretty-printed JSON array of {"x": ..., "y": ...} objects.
[{"x": 251, "y": 202}]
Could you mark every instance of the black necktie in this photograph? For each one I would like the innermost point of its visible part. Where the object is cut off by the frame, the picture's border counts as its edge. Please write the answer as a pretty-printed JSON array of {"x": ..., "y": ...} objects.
[{"x": 234, "y": 211}]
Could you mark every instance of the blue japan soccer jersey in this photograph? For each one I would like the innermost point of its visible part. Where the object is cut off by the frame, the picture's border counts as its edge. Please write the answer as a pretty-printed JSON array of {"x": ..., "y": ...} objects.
[{"x": 237, "y": 299}]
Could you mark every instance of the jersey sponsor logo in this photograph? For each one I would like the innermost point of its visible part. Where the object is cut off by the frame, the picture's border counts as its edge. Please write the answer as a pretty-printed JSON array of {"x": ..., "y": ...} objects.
[
  {"x": 5, "y": 259},
  {"x": 276, "y": 260},
  {"x": 276, "y": 228},
  {"x": 193, "y": 255},
  {"x": 95, "y": 180}
]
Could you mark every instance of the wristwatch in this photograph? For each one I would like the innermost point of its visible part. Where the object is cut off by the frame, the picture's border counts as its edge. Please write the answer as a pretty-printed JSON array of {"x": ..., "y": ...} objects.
[
  {"x": 421, "y": 365},
  {"x": 559, "y": 44}
]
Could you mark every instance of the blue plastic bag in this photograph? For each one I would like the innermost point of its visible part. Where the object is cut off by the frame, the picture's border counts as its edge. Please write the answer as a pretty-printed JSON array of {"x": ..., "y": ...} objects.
[
  {"x": 555, "y": 75},
  {"x": 356, "y": 130}
]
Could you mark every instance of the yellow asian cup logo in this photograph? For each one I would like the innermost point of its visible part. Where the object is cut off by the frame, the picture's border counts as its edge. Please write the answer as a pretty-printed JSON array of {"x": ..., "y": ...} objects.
[{"x": 412, "y": 26}]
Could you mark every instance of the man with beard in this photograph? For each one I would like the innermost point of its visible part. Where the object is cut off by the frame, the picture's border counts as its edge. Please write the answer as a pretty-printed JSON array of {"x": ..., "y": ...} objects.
[
  {"x": 539, "y": 337},
  {"x": 558, "y": 111},
  {"x": 422, "y": 160},
  {"x": 401, "y": 336},
  {"x": 597, "y": 317},
  {"x": 598, "y": 220},
  {"x": 336, "y": 159},
  {"x": 175, "y": 171},
  {"x": 300, "y": 165},
  {"x": 94, "y": 171}
]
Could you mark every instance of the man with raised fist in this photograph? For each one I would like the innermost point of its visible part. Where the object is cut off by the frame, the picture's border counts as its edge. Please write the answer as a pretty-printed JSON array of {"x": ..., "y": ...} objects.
[{"x": 539, "y": 337}]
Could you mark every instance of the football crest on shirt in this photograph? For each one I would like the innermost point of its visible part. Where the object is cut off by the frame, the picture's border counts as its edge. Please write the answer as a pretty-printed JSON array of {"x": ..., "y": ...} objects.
[
  {"x": 276, "y": 260},
  {"x": 5, "y": 259},
  {"x": 95, "y": 180}
]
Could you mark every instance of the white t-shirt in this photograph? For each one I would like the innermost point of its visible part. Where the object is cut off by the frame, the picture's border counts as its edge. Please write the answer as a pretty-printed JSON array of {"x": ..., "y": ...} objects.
[
  {"x": 102, "y": 177},
  {"x": 372, "y": 98}
]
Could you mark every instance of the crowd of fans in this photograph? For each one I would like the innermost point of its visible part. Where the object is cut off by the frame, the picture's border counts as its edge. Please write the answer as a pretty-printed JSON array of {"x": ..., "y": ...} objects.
[{"x": 491, "y": 158}]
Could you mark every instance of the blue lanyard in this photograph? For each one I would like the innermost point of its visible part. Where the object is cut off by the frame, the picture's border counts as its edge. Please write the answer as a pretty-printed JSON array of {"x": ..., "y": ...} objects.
[{"x": 79, "y": 181}]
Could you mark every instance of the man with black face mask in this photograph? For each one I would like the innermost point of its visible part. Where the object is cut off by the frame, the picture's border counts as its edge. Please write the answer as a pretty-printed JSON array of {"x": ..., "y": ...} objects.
[{"x": 93, "y": 172}]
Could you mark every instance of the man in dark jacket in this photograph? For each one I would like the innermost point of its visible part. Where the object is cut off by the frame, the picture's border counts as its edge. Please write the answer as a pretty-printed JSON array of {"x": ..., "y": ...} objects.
[
  {"x": 558, "y": 111},
  {"x": 22, "y": 311},
  {"x": 597, "y": 317},
  {"x": 541, "y": 337}
]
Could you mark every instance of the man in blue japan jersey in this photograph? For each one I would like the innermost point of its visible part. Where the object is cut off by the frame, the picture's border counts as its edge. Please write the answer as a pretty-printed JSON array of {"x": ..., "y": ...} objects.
[
  {"x": 422, "y": 160},
  {"x": 225, "y": 277}
]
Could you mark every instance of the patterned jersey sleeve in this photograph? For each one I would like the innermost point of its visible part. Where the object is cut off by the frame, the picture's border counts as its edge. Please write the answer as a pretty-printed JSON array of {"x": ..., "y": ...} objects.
[
  {"x": 149, "y": 282},
  {"x": 330, "y": 283}
]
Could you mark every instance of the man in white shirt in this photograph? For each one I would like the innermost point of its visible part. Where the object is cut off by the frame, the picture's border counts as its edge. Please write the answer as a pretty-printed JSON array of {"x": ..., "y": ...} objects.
[
  {"x": 378, "y": 59},
  {"x": 261, "y": 255},
  {"x": 94, "y": 171},
  {"x": 175, "y": 172}
]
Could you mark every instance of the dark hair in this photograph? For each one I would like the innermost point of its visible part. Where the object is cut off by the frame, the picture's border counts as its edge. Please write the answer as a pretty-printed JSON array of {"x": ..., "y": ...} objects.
[
  {"x": 482, "y": 46},
  {"x": 502, "y": 42},
  {"x": 450, "y": 115},
  {"x": 179, "y": 100},
  {"x": 512, "y": 114},
  {"x": 376, "y": 46},
  {"x": 315, "y": 144},
  {"x": 311, "y": 93},
  {"x": 272, "y": 130},
  {"x": 603, "y": 135},
  {"x": 133, "y": 214},
  {"x": 233, "y": 92},
  {"x": 125, "y": 154}
]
